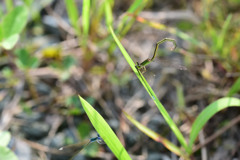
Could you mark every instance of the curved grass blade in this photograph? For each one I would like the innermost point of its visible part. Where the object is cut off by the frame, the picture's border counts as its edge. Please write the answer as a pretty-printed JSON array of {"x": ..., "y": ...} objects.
[
  {"x": 161, "y": 108},
  {"x": 155, "y": 136},
  {"x": 105, "y": 131},
  {"x": 207, "y": 113}
]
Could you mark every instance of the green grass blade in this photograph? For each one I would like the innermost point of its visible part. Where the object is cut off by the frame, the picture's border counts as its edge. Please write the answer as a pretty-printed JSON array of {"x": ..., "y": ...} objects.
[
  {"x": 207, "y": 113},
  {"x": 155, "y": 136},
  {"x": 161, "y": 108},
  {"x": 105, "y": 131},
  {"x": 125, "y": 24},
  {"x": 73, "y": 15},
  {"x": 108, "y": 12},
  {"x": 235, "y": 88},
  {"x": 221, "y": 37},
  {"x": 86, "y": 16}
]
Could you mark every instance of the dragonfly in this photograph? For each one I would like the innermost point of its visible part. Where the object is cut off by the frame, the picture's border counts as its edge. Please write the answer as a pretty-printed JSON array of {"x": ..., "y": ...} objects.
[
  {"x": 75, "y": 148},
  {"x": 142, "y": 66}
]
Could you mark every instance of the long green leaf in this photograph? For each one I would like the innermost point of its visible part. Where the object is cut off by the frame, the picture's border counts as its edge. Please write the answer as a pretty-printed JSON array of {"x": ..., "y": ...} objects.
[
  {"x": 207, "y": 113},
  {"x": 86, "y": 16},
  {"x": 155, "y": 136},
  {"x": 161, "y": 108},
  {"x": 108, "y": 12},
  {"x": 221, "y": 37},
  {"x": 105, "y": 131},
  {"x": 73, "y": 14}
]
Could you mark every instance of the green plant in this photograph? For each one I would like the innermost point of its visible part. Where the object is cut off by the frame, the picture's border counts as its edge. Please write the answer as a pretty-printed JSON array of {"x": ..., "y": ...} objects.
[
  {"x": 105, "y": 131},
  {"x": 201, "y": 120},
  {"x": 12, "y": 25},
  {"x": 186, "y": 149},
  {"x": 5, "y": 152}
]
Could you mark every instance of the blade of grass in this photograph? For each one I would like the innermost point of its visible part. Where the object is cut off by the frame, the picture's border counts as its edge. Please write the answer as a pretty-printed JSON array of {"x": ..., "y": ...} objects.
[
  {"x": 155, "y": 136},
  {"x": 207, "y": 113},
  {"x": 86, "y": 17},
  {"x": 221, "y": 37},
  {"x": 235, "y": 88},
  {"x": 105, "y": 131},
  {"x": 126, "y": 23},
  {"x": 108, "y": 13},
  {"x": 161, "y": 108},
  {"x": 73, "y": 15}
]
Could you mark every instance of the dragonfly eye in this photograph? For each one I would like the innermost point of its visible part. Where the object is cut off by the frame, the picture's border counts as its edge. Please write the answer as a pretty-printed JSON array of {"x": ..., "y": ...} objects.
[{"x": 100, "y": 140}]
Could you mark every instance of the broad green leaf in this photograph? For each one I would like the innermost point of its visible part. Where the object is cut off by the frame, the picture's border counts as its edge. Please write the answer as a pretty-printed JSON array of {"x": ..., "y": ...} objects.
[
  {"x": 7, "y": 154},
  {"x": 4, "y": 138},
  {"x": 14, "y": 22},
  {"x": 207, "y": 113},
  {"x": 155, "y": 136},
  {"x": 105, "y": 131},
  {"x": 10, "y": 41}
]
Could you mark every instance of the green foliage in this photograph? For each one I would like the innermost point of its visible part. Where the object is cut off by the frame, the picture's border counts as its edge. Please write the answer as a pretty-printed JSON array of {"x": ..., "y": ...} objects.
[
  {"x": 5, "y": 138},
  {"x": 105, "y": 131},
  {"x": 161, "y": 108},
  {"x": 201, "y": 120},
  {"x": 84, "y": 129},
  {"x": 12, "y": 25},
  {"x": 235, "y": 88},
  {"x": 72, "y": 11},
  {"x": 25, "y": 60},
  {"x": 86, "y": 16},
  {"x": 6, "y": 153},
  {"x": 108, "y": 13},
  {"x": 209, "y": 112}
]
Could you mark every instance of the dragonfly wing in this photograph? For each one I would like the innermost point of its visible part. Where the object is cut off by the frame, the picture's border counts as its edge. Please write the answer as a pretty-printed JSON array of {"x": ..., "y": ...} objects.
[{"x": 74, "y": 148}]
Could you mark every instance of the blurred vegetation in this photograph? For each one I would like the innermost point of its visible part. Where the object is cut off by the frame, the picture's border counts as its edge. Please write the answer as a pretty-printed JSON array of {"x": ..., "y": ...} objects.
[{"x": 53, "y": 51}]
